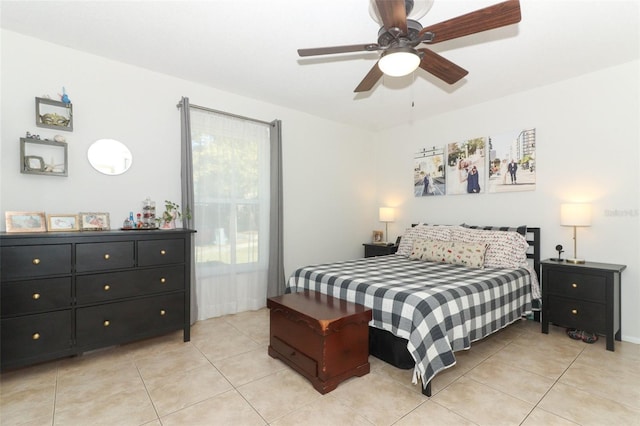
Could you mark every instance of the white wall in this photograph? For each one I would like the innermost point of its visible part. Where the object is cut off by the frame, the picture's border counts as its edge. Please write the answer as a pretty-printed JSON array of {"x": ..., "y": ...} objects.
[
  {"x": 587, "y": 149},
  {"x": 325, "y": 197}
]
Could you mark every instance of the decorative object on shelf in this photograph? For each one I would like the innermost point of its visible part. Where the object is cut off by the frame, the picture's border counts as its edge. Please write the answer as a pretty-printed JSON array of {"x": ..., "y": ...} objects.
[
  {"x": 376, "y": 238},
  {"x": 386, "y": 215},
  {"x": 25, "y": 221},
  {"x": 110, "y": 157},
  {"x": 63, "y": 222},
  {"x": 575, "y": 215},
  {"x": 59, "y": 138},
  {"x": 54, "y": 114},
  {"x": 94, "y": 221},
  {"x": 171, "y": 213},
  {"x": 64, "y": 98},
  {"x": 43, "y": 157}
]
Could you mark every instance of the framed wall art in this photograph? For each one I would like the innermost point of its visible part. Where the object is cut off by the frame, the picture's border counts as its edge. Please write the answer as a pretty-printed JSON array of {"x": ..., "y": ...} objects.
[
  {"x": 512, "y": 161},
  {"x": 429, "y": 172},
  {"x": 63, "y": 222},
  {"x": 94, "y": 221},
  {"x": 25, "y": 222},
  {"x": 466, "y": 166}
]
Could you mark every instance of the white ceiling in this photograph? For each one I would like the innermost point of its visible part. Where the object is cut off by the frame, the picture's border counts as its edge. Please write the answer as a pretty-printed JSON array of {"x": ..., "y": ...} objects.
[{"x": 249, "y": 48}]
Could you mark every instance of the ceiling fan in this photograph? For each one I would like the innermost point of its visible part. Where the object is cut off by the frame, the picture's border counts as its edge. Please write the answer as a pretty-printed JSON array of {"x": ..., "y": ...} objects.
[{"x": 399, "y": 37}]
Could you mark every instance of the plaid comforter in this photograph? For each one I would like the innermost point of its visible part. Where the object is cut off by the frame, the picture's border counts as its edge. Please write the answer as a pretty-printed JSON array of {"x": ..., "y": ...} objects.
[{"x": 439, "y": 308}]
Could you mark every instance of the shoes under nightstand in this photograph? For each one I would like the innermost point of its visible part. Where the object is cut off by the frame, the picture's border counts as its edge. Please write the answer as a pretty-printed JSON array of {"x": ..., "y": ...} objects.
[{"x": 583, "y": 296}]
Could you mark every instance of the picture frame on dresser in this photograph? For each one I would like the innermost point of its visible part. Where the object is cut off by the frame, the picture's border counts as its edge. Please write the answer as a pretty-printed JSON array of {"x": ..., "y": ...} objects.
[
  {"x": 63, "y": 223},
  {"x": 25, "y": 221},
  {"x": 92, "y": 221}
]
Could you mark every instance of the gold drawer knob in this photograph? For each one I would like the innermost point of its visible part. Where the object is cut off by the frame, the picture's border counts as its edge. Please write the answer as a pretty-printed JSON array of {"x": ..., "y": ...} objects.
[
  {"x": 106, "y": 256},
  {"x": 35, "y": 336},
  {"x": 106, "y": 323},
  {"x": 35, "y": 296},
  {"x": 574, "y": 285},
  {"x": 163, "y": 280},
  {"x": 36, "y": 261},
  {"x": 163, "y": 252},
  {"x": 163, "y": 312},
  {"x": 574, "y": 311},
  {"x": 106, "y": 287}
]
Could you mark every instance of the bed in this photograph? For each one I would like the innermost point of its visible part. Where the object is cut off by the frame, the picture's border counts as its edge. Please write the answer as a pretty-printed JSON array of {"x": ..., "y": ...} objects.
[{"x": 428, "y": 305}]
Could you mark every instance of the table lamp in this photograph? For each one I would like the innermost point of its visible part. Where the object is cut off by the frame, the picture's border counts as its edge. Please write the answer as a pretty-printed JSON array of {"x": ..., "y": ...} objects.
[
  {"x": 386, "y": 215},
  {"x": 575, "y": 215}
]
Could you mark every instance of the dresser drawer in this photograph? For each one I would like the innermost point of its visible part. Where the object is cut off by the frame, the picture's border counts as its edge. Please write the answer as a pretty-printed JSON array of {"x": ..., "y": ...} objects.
[
  {"x": 117, "y": 285},
  {"x": 160, "y": 252},
  {"x": 577, "y": 314},
  {"x": 118, "y": 322},
  {"x": 104, "y": 256},
  {"x": 25, "y": 297},
  {"x": 35, "y": 261},
  {"x": 37, "y": 335}
]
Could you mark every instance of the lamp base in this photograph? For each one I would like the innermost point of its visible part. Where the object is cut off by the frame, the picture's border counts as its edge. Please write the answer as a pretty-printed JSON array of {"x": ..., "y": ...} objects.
[{"x": 575, "y": 261}]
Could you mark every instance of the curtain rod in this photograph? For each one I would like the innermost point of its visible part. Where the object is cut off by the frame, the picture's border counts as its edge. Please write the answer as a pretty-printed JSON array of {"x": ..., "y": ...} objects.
[{"x": 242, "y": 117}]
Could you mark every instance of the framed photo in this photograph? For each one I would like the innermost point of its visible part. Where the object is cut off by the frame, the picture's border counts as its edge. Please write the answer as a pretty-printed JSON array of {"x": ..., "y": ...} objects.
[
  {"x": 94, "y": 221},
  {"x": 25, "y": 222},
  {"x": 63, "y": 222},
  {"x": 377, "y": 237}
]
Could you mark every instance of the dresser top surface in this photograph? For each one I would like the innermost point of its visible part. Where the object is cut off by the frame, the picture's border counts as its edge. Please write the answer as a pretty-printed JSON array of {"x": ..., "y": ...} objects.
[{"x": 586, "y": 266}]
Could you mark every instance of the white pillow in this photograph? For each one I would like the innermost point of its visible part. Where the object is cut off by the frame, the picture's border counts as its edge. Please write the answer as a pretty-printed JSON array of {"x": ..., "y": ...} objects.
[
  {"x": 424, "y": 232},
  {"x": 505, "y": 249}
]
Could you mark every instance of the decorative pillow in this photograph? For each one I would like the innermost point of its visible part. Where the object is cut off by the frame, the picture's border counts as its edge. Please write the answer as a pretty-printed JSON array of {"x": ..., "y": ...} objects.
[
  {"x": 437, "y": 233},
  {"x": 505, "y": 249},
  {"x": 522, "y": 230},
  {"x": 453, "y": 252}
]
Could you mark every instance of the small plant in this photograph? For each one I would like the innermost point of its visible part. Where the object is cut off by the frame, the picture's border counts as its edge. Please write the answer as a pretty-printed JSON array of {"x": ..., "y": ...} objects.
[{"x": 172, "y": 212}]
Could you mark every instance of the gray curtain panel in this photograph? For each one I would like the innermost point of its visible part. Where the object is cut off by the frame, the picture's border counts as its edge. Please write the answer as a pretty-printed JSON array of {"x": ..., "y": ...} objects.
[
  {"x": 276, "y": 281},
  {"x": 186, "y": 171}
]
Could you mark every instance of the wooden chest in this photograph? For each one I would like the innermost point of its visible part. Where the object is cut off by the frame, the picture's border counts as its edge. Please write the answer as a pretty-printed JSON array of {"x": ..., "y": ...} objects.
[{"x": 323, "y": 338}]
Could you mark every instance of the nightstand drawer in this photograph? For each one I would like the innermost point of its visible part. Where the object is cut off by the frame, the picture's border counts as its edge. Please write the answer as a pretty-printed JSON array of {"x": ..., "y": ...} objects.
[
  {"x": 577, "y": 314},
  {"x": 577, "y": 285}
]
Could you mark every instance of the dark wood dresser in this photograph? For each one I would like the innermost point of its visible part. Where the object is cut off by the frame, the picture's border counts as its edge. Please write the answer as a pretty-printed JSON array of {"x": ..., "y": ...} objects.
[
  {"x": 324, "y": 339},
  {"x": 372, "y": 250},
  {"x": 583, "y": 296},
  {"x": 66, "y": 293}
]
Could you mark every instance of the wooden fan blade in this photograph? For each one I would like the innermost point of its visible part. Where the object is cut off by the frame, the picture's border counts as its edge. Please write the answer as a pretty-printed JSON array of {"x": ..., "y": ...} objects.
[
  {"x": 442, "y": 68},
  {"x": 339, "y": 49},
  {"x": 496, "y": 16},
  {"x": 371, "y": 47},
  {"x": 393, "y": 14},
  {"x": 369, "y": 80}
]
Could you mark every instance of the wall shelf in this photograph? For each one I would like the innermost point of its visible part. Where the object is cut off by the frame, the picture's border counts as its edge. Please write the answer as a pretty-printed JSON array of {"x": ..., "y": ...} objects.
[
  {"x": 43, "y": 157},
  {"x": 54, "y": 114}
]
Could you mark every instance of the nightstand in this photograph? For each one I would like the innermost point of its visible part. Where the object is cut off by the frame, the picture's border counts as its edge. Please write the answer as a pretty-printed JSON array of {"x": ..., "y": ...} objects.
[
  {"x": 583, "y": 296},
  {"x": 371, "y": 250}
]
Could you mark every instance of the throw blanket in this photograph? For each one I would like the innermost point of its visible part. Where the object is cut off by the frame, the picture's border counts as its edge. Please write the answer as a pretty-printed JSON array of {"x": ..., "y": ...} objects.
[{"x": 439, "y": 308}]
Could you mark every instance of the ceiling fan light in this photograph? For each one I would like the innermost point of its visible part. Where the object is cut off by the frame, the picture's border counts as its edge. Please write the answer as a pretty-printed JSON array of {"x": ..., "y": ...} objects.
[
  {"x": 399, "y": 63},
  {"x": 420, "y": 8}
]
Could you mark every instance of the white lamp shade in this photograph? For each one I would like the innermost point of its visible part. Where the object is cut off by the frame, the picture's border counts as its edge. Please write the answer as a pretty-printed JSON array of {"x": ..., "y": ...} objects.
[
  {"x": 575, "y": 214},
  {"x": 398, "y": 63},
  {"x": 387, "y": 214}
]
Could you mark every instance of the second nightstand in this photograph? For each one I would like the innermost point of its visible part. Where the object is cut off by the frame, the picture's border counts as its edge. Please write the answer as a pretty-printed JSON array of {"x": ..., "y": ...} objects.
[
  {"x": 371, "y": 250},
  {"x": 583, "y": 296}
]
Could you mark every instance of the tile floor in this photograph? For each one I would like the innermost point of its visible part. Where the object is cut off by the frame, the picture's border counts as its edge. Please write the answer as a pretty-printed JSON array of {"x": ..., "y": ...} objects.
[{"x": 224, "y": 376}]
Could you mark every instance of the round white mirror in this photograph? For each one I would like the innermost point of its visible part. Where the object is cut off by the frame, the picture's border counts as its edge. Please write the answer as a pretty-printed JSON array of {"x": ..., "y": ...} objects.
[{"x": 110, "y": 157}]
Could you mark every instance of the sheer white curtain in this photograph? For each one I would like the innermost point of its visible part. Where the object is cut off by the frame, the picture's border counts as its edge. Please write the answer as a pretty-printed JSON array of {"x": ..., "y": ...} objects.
[{"x": 231, "y": 186}]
